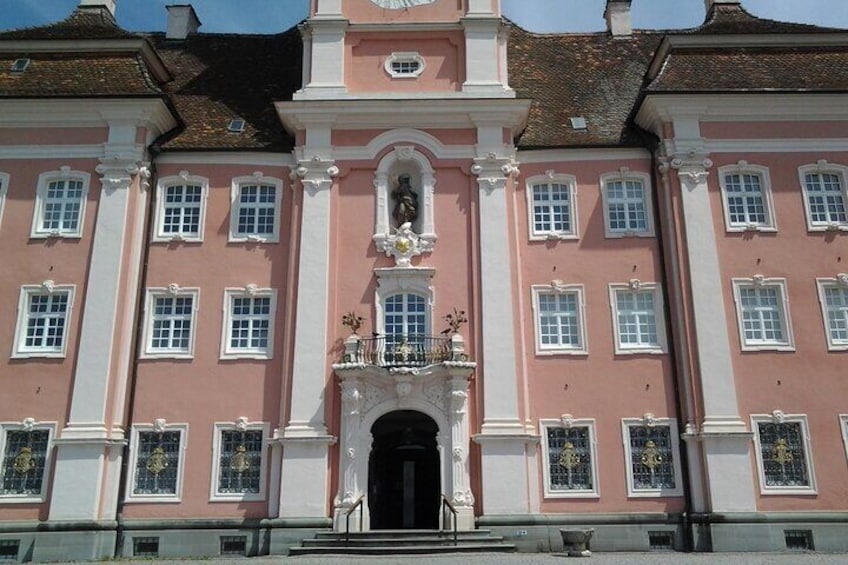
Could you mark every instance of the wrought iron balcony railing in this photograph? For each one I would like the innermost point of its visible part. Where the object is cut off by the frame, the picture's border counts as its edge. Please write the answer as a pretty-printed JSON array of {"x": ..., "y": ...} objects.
[{"x": 403, "y": 350}]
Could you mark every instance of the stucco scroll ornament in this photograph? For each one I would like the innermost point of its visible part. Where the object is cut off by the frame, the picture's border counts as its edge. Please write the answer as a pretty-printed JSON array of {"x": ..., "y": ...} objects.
[
  {"x": 567, "y": 421},
  {"x": 492, "y": 172},
  {"x": 351, "y": 397},
  {"x": 159, "y": 425},
  {"x": 401, "y": 4},
  {"x": 649, "y": 419},
  {"x": 28, "y": 424},
  {"x": 458, "y": 398},
  {"x": 241, "y": 423},
  {"x": 49, "y": 286},
  {"x": 692, "y": 169},
  {"x": 403, "y": 245},
  {"x": 463, "y": 498},
  {"x": 316, "y": 174},
  {"x": 842, "y": 279},
  {"x": 778, "y": 416}
]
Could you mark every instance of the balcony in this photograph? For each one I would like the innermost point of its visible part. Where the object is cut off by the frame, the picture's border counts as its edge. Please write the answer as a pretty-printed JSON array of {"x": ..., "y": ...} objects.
[{"x": 403, "y": 351}]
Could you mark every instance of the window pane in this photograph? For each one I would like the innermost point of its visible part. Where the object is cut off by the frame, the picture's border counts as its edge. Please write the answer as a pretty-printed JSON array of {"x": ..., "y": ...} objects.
[
  {"x": 240, "y": 462},
  {"x": 782, "y": 453},
  {"x": 569, "y": 459},
  {"x": 157, "y": 463},
  {"x": 651, "y": 457},
  {"x": 24, "y": 460}
]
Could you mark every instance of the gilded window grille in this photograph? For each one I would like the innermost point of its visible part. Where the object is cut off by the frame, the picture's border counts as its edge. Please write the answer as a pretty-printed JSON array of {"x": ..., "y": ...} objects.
[
  {"x": 570, "y": 459},
  {"x": 782, "y": 454},
  {"x": 158, "y": 462},
  {"x": 240, "y": 461},
  {"x": 24, "y": 461},
  {"x": 652, "y": 457}
]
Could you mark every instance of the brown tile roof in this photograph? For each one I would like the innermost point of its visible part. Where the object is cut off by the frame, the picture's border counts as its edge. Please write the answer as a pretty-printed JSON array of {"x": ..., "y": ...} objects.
[
  {"x": 733, "y": 19},
  {"x": 594, "y": 76},
  {"x": 221, "y": 77},
  {"x": 76, "y": 75},
  {"x": 83, "y": 23},
  {"x": 754, "y": 69}
]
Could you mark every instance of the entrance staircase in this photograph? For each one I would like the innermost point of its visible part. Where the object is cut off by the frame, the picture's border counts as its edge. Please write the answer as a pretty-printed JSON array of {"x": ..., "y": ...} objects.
[{"x": 400, "y": 542}]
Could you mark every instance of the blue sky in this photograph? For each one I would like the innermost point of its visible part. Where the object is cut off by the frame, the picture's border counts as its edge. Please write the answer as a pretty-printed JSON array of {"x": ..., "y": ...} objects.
[{"x": 271, "y": 16}]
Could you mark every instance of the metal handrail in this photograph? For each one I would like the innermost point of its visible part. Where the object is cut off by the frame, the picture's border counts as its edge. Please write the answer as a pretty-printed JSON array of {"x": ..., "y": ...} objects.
[
  {"x": 403, "y": 350},
  {"x": 350, "y": 510},
  {"x": 447, "y": 503}
]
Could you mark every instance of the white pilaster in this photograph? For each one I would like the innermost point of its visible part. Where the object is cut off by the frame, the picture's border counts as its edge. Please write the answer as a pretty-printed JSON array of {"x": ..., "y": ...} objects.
[
  {"x": 324, "y": 58},
  {"x": 87, "y": 443},
  {"x": 305, "y": 439},
  {"x": 725, "y": 437},
  {"x": 482, "y": 57}
]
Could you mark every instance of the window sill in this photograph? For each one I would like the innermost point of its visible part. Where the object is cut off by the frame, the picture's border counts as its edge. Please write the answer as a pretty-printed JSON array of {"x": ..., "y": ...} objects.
[
  {"x": 643, "y": 351},
  {"x": 628, "y": 234},
  {"x": 572, "y": 494},
  {"x": 21, "y": 499},
  {"x": 55, "y": 236},
  {"x": 254, "y": 239},
  {"x": 554, "y": 352},
  {"x": 174, "y": 355},
  {"x": 151, "y": 499},
  {"x": 752, "y": 229},
  {"x": 789, "y": 491},
  {"x": 38, "y": 354},
  {"x": 176, "y": 239},
  {"x": 769, "y": 347},
  {"x": 250, "y": 497},
  {"x": 554, "y": 236},
  {"x": 250, "y": 356},
  {"x": 659, "y": 493}
]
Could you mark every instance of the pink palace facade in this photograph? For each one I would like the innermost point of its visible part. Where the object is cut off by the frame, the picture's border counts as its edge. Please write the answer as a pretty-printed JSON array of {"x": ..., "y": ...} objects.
[{"x": 409, "y": 250}]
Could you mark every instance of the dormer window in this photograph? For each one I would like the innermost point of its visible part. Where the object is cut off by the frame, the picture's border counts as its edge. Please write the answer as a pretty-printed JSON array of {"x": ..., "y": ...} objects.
[
  {"x": 236, "y": 125},
  {"x": 20, "y": 65},
  {"x": 404, "y": 65}
]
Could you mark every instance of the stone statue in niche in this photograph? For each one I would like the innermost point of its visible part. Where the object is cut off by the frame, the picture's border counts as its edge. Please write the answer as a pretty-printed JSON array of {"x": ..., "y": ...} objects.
[{"x": 406, "y": 202}]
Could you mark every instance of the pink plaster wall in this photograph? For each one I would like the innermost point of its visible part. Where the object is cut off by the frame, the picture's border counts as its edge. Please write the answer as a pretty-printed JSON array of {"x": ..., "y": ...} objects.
[
  {"x": 366, "y": 12},
  {"x": 772, "y": 130},
  {"x": 53, "y": 136}
]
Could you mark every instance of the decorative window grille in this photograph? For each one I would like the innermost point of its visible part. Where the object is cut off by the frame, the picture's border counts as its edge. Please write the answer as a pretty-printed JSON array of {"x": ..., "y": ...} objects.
[
  {"x": 783, "y": 454},
  {"x": 182, "y": 210},
  {"x": 569, "y": 459},
  {"x": 146, "y": 547},
  {"x": 627, "y": 210},
  {"x": 835, "y": 303},
  {"x": 799, "y": 540},
  {"x": 240, "y": 462},
  {"x": 9, "y": 549},
  {"x": 651, "y": 457},
  {"x": 172, "y": 323},
  {"x": 559, "y": 323},
  {"x": 405, "y": 319},
  {"x": 250, "y": 322},
  {"x": 61, "y": 207},
  {"x": 157, "y": 463},
  {"x": 256, "y": 210},
  {"x": 552, "y": 209},
  {"x": 825, "y": 199},
  {"x": 661, "y": 541},
  {"x": 636, "y": 319},
  {"x": 24, "y": 462},
  {"x": 233, "y": 545},
  {"x": 46, "y": 322},
  {"x": 761, "y": 311},
  {"x": 745, "y": 200}
]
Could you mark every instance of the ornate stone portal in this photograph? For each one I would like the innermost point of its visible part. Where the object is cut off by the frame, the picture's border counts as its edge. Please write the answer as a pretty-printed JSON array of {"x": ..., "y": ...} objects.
[{"x": 368, "y": 392}]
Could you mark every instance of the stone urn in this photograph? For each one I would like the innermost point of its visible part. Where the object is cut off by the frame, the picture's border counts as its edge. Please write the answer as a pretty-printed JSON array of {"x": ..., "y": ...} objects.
[{"x": 576, "y": 541}]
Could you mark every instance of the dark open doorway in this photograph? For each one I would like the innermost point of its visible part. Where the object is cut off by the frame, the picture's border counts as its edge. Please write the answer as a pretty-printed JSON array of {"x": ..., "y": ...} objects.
[{"x": 403, "y": 472}]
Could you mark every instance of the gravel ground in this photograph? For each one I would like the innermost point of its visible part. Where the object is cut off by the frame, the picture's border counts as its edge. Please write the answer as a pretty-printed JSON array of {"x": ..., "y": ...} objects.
[{"x": 529, "y": 559}]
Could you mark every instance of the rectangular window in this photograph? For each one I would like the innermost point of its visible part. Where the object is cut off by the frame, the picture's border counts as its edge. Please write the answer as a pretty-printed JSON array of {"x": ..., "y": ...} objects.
[
  {"x": 249, "y": 324},
  {"x": 783, "y": 454},
  {"x": 825, "y": 199},
  {"x": 181, "y": 211},
  {"x": 638, "y": 318},
  {"x": 60, "y": 204},
  {"x": 157, "y": 463},
  {"x": 762, "y": 313},
  {"x": 652, "y": 465},
  {"x": 560, "y": 327},
  {"x": 569, "y": 458},
  {"x": 26, "y": 456},
  {"x": 551, "y": 202},
  {"x": 43, "y": 318},
  {"x": 239, "y": 462},
  {"x": 833, "y": 296},
  {"x": 171, "y": 316},
  {"x": 256, "y": 207},
  {"x": 627, "y": 205},
  {"x": 746, "y": 194}
]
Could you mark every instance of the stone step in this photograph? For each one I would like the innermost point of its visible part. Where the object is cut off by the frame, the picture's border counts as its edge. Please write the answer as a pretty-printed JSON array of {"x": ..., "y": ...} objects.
[
  {"x": 399, "y": 542},
  {"x": 405, "y": 534},
  {"x": 341, "y": 549},
  {"x": 419, "y": 540}
]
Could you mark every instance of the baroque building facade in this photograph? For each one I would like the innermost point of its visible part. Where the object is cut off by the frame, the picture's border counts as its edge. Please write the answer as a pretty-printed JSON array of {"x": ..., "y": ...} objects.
[{"x": 408, "y": 252}]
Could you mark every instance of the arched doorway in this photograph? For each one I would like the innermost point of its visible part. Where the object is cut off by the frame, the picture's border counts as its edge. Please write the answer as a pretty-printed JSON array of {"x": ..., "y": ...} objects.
[{"x": 404, "y": 483}]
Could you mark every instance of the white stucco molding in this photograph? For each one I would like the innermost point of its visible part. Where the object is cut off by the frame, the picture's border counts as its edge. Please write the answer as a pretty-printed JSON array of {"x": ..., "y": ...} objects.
[{"x": 85, "y": 112}]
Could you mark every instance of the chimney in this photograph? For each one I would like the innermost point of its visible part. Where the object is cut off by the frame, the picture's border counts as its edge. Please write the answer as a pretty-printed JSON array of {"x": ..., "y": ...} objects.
[
  {"x": 710, "y": 3},
  {"x": 182, "y": 21},
  {"x": 617, "y": 15},
  {"x": 108, "y": 4}
]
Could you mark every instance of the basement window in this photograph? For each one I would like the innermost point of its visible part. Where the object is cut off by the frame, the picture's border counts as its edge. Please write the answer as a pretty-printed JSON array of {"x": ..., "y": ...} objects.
[
  {"x": 799, "y": 540},
  {"x": 404, "y": 65},
  {"x": 236, "y": 126},
  {"x": 233, "y": 545},
  {"x": 9, "y": 549},
  {"x": 146, "y": 547},
  {"x": 661, "y": 541},
  {"x": 20, "y": 65}
]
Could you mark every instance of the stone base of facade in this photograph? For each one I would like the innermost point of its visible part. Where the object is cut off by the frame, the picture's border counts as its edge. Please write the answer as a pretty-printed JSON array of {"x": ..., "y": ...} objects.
[
  {"x": 770, "y": 532},
  {"x": 57, "y": 541}
]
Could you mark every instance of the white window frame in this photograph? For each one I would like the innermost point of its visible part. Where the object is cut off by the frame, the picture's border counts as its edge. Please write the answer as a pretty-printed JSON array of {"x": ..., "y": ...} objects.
[
  {"x": 26, "y": 425},
  {"x": 137, "y": 429},
  {"x": 48, "y": 288},
  {"x": 744, "y": 168},
  {"x": 183, "y": 179},
  {"x": 242, "y": 424},
  {"x": 759, "y": 281},
  {"x": 779, "y": 417},
  {"x": 65, "y": 174},
  {"x": 566, "y": 421},
  {"x": 399, "y": 280},
  {"x": 404, "y": 57},
  {"x": 257, "y": 179},
  {"x": 558, "y": 288},
  {"x": 839, "y": 282},
  {"x": 173, "y": 291},
  {"x": 636, "y": 285},
  {"x": 650, "y": 421},
  {"x": 251, "y": 292},
  {"x": 4, "y": 190},
  {"x": 823, "y": 167},
  {"x": 550, "y": 178},
  {"x": 624, "y": 175},
  {"x": 843, "y": 426}
]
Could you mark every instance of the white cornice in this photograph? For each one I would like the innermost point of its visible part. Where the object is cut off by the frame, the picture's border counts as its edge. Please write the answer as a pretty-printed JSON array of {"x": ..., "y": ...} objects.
[
  {"x": 658, "y": 109},
  {"x": 376, "y": 114},
  {"x": 53, "y": 151},
  {"x": 86, "y": 112},
  {"x": 262, "y": 159},
  {"x": 151, "y": 57},
  {"x": 529, "y": 157},
  {"x": 782, "y": 145}
]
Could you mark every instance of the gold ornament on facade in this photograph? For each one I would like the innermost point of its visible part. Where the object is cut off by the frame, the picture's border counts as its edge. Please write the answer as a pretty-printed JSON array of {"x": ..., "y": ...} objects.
[
  {"x": 403, "y": 244},
  {"x": 157, "y": 462},
  {"x": 240, "y": 463},
  {"x": 24, "y": 462},
  {"x": 651, "y": 457},
  {"x": 568, "y": 457},
  {"x": 781, "y": 452}
]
